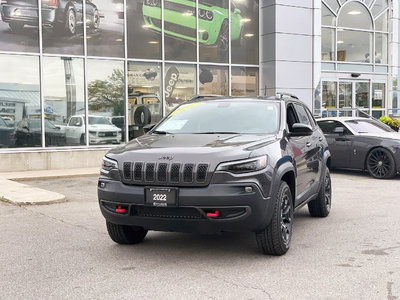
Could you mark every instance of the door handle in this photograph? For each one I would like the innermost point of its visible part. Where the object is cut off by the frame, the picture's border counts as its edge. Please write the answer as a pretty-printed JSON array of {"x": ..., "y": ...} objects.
[{"x": 309, "y": 144}]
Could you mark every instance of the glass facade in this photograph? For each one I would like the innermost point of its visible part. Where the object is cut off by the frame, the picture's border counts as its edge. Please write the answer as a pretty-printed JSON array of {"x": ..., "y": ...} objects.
[
  {"x": 95, "y": 72},
  {"x": 355, "y": 54}
]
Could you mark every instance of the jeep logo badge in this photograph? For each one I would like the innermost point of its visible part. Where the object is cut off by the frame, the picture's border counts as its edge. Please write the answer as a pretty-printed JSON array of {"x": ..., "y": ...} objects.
[{"x": 166, "y": 157}]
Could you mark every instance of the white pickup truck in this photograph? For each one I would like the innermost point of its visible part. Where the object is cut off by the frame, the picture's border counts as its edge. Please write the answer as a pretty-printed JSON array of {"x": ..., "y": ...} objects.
[{"x": 101, "y": 131}]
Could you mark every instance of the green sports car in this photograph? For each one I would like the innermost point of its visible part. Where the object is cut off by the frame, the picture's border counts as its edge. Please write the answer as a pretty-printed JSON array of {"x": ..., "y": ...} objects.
[{"x": 180, "y": 21}]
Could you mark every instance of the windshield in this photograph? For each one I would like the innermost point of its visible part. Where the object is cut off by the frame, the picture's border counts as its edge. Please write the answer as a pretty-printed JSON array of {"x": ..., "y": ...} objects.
[
  {"x": 368, "y": 126},
  {"x": 98, "y": 121},
  {"x": 244, "y": 117}
]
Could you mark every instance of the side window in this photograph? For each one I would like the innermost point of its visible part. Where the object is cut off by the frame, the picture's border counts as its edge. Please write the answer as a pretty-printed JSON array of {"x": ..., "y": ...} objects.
[
  {"x": 311, "y": 117},
  {"x": 291, "y": 116},
  {"x": 302, "y": 114},
  {"x": 328, "y": 127}
]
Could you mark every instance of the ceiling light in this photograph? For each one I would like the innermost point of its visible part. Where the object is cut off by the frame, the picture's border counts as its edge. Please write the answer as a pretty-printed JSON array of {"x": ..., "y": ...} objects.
[
  {"x": 354, "y": 12},
  {"x": 249, "y": 35},
  {"x": 146, "y": 26},
  {"x": 245, "y": 20},
  {"x": 153, "y": 42},
  {"x": 340, "y": 42}
]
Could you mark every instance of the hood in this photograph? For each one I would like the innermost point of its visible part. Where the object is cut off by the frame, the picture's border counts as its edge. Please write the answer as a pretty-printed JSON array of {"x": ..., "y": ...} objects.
[
  {"x": 387, "y": 135},
  {"x": 103, "y": 127},
  {"x": 194, "y": 148}
]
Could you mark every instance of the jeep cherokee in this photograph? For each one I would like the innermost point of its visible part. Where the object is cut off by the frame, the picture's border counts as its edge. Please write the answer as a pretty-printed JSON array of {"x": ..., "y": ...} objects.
[{"x": 219, "y": 164}]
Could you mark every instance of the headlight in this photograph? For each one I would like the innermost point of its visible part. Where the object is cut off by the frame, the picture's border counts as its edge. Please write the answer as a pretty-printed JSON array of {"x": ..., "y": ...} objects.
[
  {"x": 92, "y": 133},
  {"x": 110, "y": 169},
  {"x": 206, "y": 14},
  {"x": 244, "y": 166}
]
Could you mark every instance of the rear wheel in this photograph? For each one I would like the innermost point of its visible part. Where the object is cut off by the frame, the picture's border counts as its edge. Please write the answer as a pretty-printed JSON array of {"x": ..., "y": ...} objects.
[
  {"x": 276, "y": 238},
  {"x": 95, "y": 24},
  {"x": 126, "y": 235},
  {"x": 380, "y": 164},
  {"x": 70, "y": 22},
  {"x": 321, "y": 206}
]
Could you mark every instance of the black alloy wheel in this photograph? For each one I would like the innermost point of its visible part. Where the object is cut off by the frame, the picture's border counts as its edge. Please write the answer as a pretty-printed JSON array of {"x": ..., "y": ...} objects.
[
  {"x": 320, "y": 207},
  {"x": 380, "y": 164},
  {"x": 223, "y": 36},
  {"x": 276, "y": 237}
]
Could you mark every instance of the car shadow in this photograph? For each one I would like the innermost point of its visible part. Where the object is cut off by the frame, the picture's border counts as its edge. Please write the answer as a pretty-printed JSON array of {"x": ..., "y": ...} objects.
[{"x": 358, "y": 173}]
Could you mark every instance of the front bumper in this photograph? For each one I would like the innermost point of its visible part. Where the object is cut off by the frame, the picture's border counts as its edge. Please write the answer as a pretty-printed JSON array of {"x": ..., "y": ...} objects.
[{"x": 240, "y": 210}]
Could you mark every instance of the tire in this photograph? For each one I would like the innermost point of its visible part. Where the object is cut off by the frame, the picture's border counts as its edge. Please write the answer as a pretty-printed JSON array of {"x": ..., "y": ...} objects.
[
  {"x": 126, "y": 235},
  {"x": 70, "y": 22},
  {"x": 82, "y": 140},
  {"x": 16, "y": 27},
  {"x": 95, "y": 24},
  {"x": 321, "y": 206},
  {"x": 380, "y": 164},
  {"x": 223, "y": 36},
  {"x": 142, "y": 116},
  {"x": 276, "y": 237}
]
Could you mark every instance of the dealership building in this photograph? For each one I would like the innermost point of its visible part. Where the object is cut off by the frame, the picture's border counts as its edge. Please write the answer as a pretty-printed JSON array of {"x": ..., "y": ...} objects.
[{"x": 95, "y": 72}]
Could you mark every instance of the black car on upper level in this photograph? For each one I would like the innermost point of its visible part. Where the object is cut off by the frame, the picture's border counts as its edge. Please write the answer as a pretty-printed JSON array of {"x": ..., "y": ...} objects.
[
  {"x": 363, "y": 144},
  {"x": 219, "y": 164},
  {"x": 28, "y": 133},
  {"x": 6, "y": 133},
  {"x": 66, "y": 15}
]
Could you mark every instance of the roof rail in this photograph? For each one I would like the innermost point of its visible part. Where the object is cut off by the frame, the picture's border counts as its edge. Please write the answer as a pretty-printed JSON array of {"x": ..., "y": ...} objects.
[
  {"x": 281, "y": 95},
  {"x": 204, "y": 96}
]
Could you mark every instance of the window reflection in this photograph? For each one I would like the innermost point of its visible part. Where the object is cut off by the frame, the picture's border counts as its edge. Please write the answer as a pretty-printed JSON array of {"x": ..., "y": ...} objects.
[
  {"x": 144, "y": 29},
  {"x": 106, "y": 90},
  {"x": 213, "y": 80},
  {"x": 381, "y": 48},
  {"x": 355, "y": 15},
  {"x": 20, "y": 111},
  {"x": 180, "y": 84},
  {"x": 244, "y": 81},
  {"x": 19, "y": 26},
  {"x": 354, "y": 46},
  {"x": 378, "y": 95},
  {"x": 144, "y": 96},
  {"x": 245, "y": 31},
  {"x": 214, "y": 30},
  {"x": 328, "y": 44},
  {"x": 328, "y": 18},
  {"x": 63, "y": 90},
  {"x": 180, "y": 29},
  {"x": 329, "y": 94},
  {"x": 105, "y": 33}
]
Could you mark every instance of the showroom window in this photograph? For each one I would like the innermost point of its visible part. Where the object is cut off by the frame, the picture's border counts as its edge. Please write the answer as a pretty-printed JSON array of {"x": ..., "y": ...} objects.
[
  {"x": 20, "y": 109},
  {"x": 355, "y": 35},
  {"x": 96, "y": 72}
]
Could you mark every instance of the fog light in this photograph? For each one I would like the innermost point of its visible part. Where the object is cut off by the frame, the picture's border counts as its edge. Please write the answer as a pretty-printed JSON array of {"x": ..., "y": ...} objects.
[{"x": 248, "y": 189}]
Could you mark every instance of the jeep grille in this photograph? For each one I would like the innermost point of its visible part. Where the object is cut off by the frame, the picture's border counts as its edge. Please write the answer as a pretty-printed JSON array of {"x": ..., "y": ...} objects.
[{"x": 164, "y": 173}]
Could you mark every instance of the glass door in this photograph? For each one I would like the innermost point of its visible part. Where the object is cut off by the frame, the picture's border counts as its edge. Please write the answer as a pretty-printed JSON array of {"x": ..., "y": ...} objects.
[{"x": 345, "y": 98}]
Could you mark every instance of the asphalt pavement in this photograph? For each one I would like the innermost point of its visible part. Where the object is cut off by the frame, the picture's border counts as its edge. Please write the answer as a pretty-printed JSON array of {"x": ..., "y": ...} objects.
[{"x": 63, "y": 251}]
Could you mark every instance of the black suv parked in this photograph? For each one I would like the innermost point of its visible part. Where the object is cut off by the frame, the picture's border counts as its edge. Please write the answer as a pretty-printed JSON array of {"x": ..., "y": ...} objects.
[{"x": 219, "y": 164}]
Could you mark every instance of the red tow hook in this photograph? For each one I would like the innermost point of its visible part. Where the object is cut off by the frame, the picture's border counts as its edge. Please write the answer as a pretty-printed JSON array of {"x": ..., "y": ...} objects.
[
  {"x": 214, "y": 214},
  {"x": 120, "y": 210}
]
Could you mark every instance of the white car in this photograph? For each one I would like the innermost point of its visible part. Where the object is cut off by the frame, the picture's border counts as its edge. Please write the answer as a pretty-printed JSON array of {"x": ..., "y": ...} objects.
[{"x": 101, "y": 130}]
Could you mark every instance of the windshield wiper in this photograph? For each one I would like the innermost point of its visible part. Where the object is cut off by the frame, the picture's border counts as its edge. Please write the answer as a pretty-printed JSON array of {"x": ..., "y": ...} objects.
[
  {"x": 217, "y": 132},
  {"x": 161, "y": 132}
]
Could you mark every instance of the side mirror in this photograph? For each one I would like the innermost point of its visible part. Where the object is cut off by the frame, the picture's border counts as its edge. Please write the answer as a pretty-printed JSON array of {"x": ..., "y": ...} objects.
[
  {"x": 299, "y": 129},
  {"x": 339, "y": 130},
  {"x": 149, "y": 127}
]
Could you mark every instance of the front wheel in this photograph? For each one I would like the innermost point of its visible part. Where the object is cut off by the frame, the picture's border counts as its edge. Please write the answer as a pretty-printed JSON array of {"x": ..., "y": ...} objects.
[
  {"x": 95, "y": 24},
  {"x": 276, "y": 237},
  {"x": 380, "y": 164},
  {"x": 70, "y": 22},
  {"x": 321, "y": 206},
  {"x": 126, "y": 235},
  {"x": 223, "y": 36}
]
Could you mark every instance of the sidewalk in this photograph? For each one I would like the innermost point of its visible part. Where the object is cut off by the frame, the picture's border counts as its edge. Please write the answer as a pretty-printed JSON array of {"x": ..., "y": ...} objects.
[{"x": 23, "y": 194}]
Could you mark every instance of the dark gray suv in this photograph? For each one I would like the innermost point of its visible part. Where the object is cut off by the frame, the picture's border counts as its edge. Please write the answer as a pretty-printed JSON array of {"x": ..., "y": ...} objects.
[{"x": 219, "y": 164}]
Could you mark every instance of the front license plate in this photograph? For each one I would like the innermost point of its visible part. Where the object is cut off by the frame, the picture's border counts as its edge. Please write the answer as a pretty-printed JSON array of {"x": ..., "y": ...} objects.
[{"x": 161, "y": 197}]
